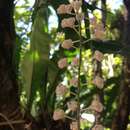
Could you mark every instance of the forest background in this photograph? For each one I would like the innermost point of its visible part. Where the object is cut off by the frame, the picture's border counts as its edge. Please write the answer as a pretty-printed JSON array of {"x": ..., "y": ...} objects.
[{"x": 32, "y": 39}]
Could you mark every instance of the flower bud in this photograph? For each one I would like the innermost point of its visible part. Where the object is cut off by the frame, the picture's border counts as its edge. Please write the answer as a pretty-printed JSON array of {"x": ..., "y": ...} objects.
[
  {"x": 76, "y": 5},
  {"x": 72, "y": 105},
  {"x": 68, "y": 22},
  {"x": 62, "y": 63},
  {"x": 74, "y": 82},
  {"x": 98, "y": 127},
  {"x": 75, "y": 61},
  {"x": 64, "y": 9},
  {"x": 74, "y": 125},
  {"x": 67, "y": 44},
  {"x": 96, "y": 105},
  {"x": 93, "y": 21},
  {"x": 99, "y": 33},
  {"x": 98, "y": 55},
  {"x": 68, "y": 8},
  {"x": 58, "y": 114},
  {"x": 98, "y": 29},
  {"x": 61, "y": 90},
  {"x": 99, "y": 82}
]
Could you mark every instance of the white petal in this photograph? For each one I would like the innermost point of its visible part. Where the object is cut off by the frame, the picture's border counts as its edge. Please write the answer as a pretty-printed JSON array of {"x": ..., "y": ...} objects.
[{"x": 88, "y": 117}]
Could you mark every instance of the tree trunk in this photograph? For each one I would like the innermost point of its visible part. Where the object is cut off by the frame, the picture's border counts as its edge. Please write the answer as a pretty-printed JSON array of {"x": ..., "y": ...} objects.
[
  {"x": 9, "y": 98},
  {"x": 121, "y": 119}
]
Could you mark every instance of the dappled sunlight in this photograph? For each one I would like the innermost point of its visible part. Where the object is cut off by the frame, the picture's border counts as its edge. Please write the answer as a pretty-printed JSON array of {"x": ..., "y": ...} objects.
[{"x": 64, "y": 64}]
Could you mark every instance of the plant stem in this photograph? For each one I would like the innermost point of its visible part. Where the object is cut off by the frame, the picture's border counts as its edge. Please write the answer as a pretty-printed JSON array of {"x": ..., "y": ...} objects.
[
  {"x": 12, "y": 122},
  {"x": 73, "y": 93},
  {"x": 79, "y": 71},
  {"x": 70, "y": 118}
]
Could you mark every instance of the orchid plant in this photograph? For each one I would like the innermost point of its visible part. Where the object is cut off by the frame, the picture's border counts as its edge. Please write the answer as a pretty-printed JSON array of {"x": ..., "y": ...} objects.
[{"x": 96, "y": 106}]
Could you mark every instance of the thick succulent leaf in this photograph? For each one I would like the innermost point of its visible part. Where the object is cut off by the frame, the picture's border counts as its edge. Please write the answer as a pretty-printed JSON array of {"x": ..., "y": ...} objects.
[
  {"x": 108, "y": 46},
  {"x": 35, "y": 63},
  {"x": 26, "y": 72}
]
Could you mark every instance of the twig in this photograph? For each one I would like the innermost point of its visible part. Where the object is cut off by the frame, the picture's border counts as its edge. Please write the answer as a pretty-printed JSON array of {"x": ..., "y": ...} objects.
[
  {"x": 76, "y": 41},
  {"x": 70, "y": 118},
  {"x": 76, "y": 31},
  {"x": 87, "y": 110},
  {"x": 12, "y": 122},
  {"x": 8, "y": 121},
  {"x": 73, "y": 93},
  {"x": 79, "y": 71}
]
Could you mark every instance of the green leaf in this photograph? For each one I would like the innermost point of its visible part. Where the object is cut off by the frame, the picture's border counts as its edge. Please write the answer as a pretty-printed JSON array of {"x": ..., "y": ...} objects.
[{"x": 35, "y": 63}]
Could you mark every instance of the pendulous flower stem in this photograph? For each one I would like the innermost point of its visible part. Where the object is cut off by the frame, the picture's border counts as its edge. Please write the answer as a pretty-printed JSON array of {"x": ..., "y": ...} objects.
[{"x": 79, "y": 71}]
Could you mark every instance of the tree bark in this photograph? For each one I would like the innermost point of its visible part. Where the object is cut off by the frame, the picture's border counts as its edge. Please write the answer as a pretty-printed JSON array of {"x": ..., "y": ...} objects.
[
  {"x": 9, "y": 97},
  {"x": 121, "y": 118}
]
